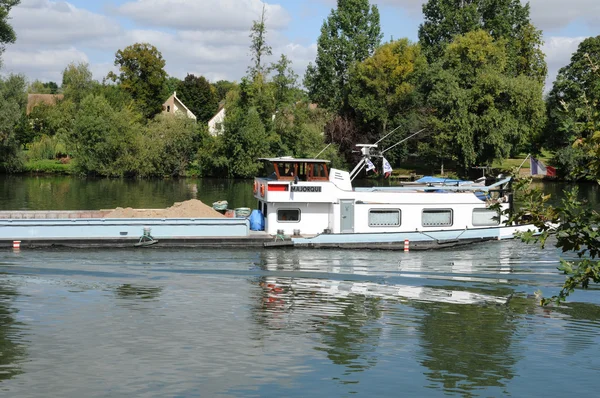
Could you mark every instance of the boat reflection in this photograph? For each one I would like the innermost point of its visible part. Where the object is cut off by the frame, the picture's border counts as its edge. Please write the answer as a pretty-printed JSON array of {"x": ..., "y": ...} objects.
[
  {"x": 347, "y": 276},
  {"x": 463, "y": 333}
]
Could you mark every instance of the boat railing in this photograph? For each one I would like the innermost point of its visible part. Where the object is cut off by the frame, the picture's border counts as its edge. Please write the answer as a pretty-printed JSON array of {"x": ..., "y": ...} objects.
[{"x": 498, "y": 186}]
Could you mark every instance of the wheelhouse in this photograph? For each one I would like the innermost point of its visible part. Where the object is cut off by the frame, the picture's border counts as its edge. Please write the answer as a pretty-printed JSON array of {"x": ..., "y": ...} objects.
[{"x": 291, "y": 169}]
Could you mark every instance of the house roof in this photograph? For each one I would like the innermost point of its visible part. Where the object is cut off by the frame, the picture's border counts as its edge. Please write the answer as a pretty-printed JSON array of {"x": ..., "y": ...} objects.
[
  {"x": 48, "y": 99},
  {"x": 174, "y": 96}
]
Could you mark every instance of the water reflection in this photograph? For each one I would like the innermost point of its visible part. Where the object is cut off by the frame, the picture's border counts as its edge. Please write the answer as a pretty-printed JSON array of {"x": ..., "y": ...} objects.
[
  {"x": 466, "y": 333},
  {"x": 12, "y": 352},
  {"x": 72, "y": 193},
  {"x": 128, "y": 291},
  {"x": 467, "y": 348}
]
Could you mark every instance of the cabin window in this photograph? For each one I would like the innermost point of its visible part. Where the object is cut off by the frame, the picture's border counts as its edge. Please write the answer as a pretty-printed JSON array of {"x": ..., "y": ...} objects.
[
  {"x": 288, "y": 215},
  {"x": 437, "y": 218},
  {"x": 485, "y": 218},
  {"x": 384, "y": 218}
]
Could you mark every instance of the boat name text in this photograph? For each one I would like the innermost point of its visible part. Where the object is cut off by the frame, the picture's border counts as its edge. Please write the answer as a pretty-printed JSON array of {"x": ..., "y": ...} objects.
[{"x": 296, "y": 188}]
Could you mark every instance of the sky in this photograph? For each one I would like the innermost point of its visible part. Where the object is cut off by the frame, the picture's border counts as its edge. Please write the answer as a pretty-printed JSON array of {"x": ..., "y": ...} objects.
[{"x": 210, "y": 37}]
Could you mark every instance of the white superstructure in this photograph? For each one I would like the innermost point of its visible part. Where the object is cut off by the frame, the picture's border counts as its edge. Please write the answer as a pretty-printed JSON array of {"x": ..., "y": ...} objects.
[{"x": 305, "y": 199}]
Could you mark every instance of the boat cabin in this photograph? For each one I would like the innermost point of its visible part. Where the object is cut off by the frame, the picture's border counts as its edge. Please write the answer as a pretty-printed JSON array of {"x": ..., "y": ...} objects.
[
  {"x": 288, "y": 168},
  {"x": 305, "y": 197}
]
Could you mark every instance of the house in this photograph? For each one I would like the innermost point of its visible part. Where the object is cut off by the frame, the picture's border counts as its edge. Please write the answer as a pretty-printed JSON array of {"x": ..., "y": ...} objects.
[
  {"x": 49, "y": 99},
  {"x": 174, "y": 106},
  {"x": 215, "y": 124}
]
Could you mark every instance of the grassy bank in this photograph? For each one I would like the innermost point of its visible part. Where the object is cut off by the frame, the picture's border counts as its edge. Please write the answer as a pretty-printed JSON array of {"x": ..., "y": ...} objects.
[{"x": 47, "y": 166}]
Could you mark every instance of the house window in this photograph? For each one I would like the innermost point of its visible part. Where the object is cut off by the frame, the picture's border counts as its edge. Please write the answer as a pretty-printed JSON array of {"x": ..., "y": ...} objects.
[
  {"x": 168, "y": 108},
  {"x": 485, "y": 218},
  {"x": 288, "y": 215},
  {"x": 437, "y": 218},
  {"x": 384, "y": 218}
]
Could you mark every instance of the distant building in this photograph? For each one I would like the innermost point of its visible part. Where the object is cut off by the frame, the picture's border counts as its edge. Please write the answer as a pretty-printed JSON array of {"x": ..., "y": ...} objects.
[
  {"x": 215, "y": 124},
  {"x": 49, "y": 99},
  {"x": 174, "y": 106}
]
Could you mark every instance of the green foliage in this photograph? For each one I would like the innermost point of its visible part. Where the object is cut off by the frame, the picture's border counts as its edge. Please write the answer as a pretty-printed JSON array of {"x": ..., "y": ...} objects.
[
  {"x": 222, "y": 87},
  {"x": 502, "y": 19},
  {"x": 383, "y": 91},
  {"x": 77, "y": 82},
  {"x": 170, "y": 86},
  {"x": 350, "y": 34},
  {"x": 574, "y": 95},
  {"x": 38, "y": 87},
  {"x": 245, "y": 140},
  {"x": 142, "y": 74},
  {"x": 46, "y": 148},
  {"x": 7, "y": 34},
  {"x": 170, "y": 143},
  {"x": 13, "y": 101},
  {"x": 51, "y": 120},
  {"x": 574, "y": 224},
  {"x": 479, "y": 112},
  {"x": 258, "y": 46},
  {"x": 300, "y": 129},
  {"x": 105, "y": 140},
  {"x": 284, "y": 80},
  {"x": 199, "y": 96}
]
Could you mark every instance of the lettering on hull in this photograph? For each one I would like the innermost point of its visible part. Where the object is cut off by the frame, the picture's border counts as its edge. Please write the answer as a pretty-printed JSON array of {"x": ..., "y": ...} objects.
[{"x": 296, "y": 188}]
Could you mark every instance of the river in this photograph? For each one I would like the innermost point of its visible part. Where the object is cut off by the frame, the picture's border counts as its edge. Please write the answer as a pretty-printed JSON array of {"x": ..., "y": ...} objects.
[{"x": 250, "y": 322}]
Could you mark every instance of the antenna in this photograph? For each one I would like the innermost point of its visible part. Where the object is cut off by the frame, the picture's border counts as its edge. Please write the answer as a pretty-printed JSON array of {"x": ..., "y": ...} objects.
[
  {"x": 317, "y": 155},
  {"x": 385, "y": 136},
  {"x": 401, "y": 141}
]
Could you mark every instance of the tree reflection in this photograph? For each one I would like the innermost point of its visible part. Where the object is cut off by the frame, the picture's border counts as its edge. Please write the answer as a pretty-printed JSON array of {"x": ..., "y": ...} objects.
[
  {"x": 468, "y": 347},
  {"x": 11, "y": 352},
  {"x": 345, "y": 324},
  {"x": 128, "y": 291}
]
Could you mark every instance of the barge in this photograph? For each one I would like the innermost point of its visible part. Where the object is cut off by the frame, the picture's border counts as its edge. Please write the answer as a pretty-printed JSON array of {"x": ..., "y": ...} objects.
[{"x": 300, "y": 203}]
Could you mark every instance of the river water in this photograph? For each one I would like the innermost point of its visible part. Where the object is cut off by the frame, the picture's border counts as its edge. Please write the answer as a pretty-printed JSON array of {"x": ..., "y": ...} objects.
[{"x": 251, "y": 322}]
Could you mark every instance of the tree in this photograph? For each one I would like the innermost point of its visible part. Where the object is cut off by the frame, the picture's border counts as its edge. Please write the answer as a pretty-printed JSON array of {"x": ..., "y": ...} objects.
[
  {"x": 383, "y": 88},
  {"x": 222, "y": 87},
  {"x": 574, "y": 222},
  {"x": 13, "y": 101},
  {"x": 77, "y": 82},
  {"x": 142, "y": 74},
  {"x": 573, "y": 95},
  {"x": 350, "y": 34},
  {"x": 507, "y": 19},
  {"x": 199, "y": 96},
  {"x": 170, "y": 144},
  {"x": 479, "y": 112},
  {"x": 284, "y": 80},
  {"x": 106, "y": 140},
  {"x": 258, "y": 45},
  {"x": 170, "y": 86},
  {"x": 7, "y": 34}
]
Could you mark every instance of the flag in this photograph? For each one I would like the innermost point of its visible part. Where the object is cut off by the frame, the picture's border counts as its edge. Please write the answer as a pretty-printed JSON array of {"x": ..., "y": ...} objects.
[
  {"x": 537, "y": 167},
  {"x": 387, "y": 169},
  {"x": 370, "y": 166}
]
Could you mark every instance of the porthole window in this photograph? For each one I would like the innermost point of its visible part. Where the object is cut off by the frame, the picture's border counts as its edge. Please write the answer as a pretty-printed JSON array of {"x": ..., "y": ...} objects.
[
  {"x": 288, "y": 215},
  {"x": 384, "y": 218},
  {"x": 437, "y": 218},
  {"x": 485, "y": 218}
]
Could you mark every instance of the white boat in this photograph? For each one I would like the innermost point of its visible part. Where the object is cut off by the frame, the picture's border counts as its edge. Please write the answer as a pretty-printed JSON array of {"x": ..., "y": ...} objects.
[{"x": 307, "y": 203}]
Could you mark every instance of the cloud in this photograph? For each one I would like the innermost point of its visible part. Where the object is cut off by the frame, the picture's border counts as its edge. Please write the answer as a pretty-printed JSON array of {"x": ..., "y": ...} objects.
[
  {"x": 545, "y": 14},
  {"x": 558, "y": 52},
  {"x": 204, "y": 15},
  {"x": 45, "y": 65},
  {"x": 44, "y": 22}
]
